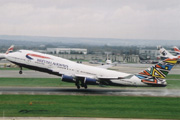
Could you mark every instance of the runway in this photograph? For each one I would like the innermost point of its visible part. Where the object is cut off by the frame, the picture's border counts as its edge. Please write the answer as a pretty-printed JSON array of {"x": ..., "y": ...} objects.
[
  {"x": 161, "y": 92},
  {"x": 119, "y": 91}
]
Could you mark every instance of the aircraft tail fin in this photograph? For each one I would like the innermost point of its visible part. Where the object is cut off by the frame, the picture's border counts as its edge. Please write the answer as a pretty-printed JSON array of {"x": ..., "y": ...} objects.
[
  {"x": 164, "y": 53},
  {"x": 176, "y": 49},
  {"x": 156, "y": 74},
  {"x": 10, "y": 49}
]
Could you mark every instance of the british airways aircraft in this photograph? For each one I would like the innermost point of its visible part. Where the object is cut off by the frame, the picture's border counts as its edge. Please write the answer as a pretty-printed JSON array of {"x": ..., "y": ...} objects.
[
  {"x": 164, "y": 54},
  {"x": 176, "y": 50},
  {"x": 10, "y": 49},
  {"x": 83, "y": 75}
]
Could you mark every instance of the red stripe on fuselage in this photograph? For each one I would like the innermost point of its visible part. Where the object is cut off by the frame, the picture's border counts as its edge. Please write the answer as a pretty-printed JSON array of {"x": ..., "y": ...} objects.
[{"x": 39, "y": 56}]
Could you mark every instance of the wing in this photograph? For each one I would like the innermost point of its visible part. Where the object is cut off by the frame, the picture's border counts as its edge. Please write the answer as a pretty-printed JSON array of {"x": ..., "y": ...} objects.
[
  {"x": 84, "y": 79},
  {"x": 106, "y": 66}
]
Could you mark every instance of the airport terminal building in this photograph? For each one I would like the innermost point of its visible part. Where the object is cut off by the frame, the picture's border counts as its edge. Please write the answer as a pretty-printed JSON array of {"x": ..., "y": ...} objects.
[{"x": 66, "y": 51}]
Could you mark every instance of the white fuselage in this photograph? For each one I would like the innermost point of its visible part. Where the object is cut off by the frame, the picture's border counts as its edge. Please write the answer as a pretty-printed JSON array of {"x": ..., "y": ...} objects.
[
  {"x": 2, "y": 55},
  {"x": 40, "y": 61}
]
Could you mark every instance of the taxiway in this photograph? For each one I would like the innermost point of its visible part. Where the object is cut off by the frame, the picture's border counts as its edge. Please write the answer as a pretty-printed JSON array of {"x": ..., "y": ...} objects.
[{"x": 119, "y": 91}]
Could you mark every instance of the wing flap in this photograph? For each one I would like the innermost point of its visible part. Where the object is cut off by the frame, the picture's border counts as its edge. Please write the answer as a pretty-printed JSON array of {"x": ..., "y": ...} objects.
[{"x": 110, "y": 78}]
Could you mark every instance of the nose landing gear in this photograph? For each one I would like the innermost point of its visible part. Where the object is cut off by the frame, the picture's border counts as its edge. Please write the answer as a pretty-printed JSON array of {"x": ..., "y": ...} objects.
[{"x": 20, "y": 71}]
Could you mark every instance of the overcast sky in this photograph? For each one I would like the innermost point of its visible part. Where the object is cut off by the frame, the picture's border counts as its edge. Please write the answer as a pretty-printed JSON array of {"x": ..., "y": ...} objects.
[{"x": 124, "y": 19}]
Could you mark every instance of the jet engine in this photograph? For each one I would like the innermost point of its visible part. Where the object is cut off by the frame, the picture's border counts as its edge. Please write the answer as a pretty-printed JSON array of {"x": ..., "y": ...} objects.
[
  {"x": 67, "y": 78},
  {"x": 90, "y": 81}
]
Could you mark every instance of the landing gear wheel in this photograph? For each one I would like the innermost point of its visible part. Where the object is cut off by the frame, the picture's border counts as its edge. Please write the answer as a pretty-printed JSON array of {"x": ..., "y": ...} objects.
[
  {"x": 78, "y": 87},
  {"x": 85, "y": 86},
  {"x": 20, "y": 72},
  {"x": 77, "y": 84}
]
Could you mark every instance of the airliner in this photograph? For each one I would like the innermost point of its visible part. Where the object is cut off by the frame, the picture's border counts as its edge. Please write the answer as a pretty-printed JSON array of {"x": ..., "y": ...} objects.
[
  {"x": 82, "y": 75},
  {"x": 11, "y": 48},
  {"x": 164, "y": 54},
  {"x": 176, "y": 50}
]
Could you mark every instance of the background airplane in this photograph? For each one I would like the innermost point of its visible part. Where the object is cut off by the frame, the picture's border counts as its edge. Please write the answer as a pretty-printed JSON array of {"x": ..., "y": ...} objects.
[
  {"x": 164, "y": 54},
  {"x": 83, "y": 75},
  {"x": 10, "y": 49},
  {"x": 176, "y": 50}
]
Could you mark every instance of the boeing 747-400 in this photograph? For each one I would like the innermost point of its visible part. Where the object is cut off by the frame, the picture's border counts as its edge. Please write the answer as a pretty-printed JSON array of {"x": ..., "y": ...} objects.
[{"x": 83, "y": 75}]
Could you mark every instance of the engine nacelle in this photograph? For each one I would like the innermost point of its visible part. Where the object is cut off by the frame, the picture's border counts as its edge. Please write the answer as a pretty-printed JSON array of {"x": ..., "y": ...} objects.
[
  {"x": 66, "y": 78},
  {"x": 91, "y": 81}
]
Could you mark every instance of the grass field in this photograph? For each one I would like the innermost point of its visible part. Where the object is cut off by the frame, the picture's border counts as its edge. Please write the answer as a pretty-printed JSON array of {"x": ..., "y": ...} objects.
[
  {"x": 56, "y": 82},
  {"x": 173, "y": 76},
  {"x": 9, "y": 68},
  {"x": 89, "y": 106},
  {"x": 15, "y": 68},
  {"x": 85, "y": 106},
  {"x": 33, "y": 82}
]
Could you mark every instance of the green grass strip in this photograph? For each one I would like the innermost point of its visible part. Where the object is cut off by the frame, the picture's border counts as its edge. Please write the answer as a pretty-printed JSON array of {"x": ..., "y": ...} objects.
[
  {"x": 10, "y": 68},
  {"x": 173, "y": 84},
  {"x": 173, "y": 76},
  {"x": 89, "y": 106},
  {"x": 34, "y": 82}
]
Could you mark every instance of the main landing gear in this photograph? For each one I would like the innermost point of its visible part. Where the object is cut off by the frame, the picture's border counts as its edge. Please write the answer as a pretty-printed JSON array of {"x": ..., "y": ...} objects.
[
  {"x": 80, "y": 83},
  {"x": 77, "y": 84},
  {"x": 20, "y": 71}
]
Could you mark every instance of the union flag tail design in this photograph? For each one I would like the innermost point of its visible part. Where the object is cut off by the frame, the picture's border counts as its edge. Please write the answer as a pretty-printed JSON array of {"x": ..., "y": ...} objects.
[
  {"x": 156, "y": 74},
  {"x": 11, "y": 48},
  {"x": 176, "y": 50}
]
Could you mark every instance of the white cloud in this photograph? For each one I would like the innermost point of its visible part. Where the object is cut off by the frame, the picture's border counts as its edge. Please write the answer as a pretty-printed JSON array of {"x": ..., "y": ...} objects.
[{"x": 130, "y": 19}]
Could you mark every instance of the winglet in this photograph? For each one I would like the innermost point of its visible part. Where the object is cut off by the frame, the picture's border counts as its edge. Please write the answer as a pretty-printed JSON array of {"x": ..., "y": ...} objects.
[{"x": 11, "y": 48}]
